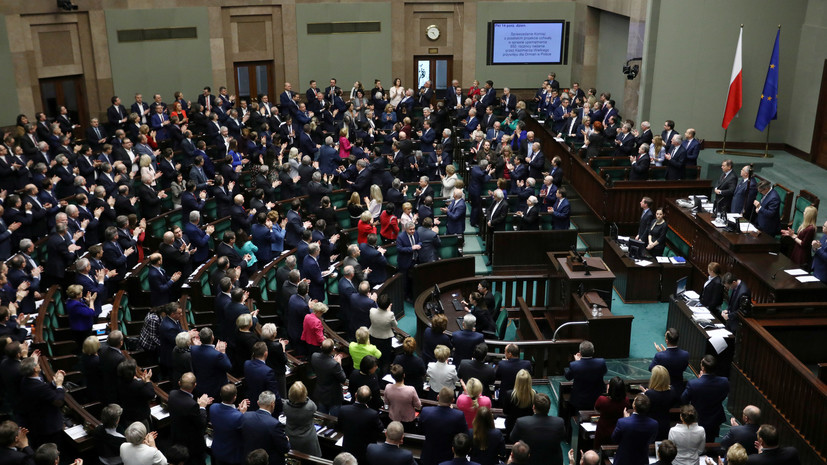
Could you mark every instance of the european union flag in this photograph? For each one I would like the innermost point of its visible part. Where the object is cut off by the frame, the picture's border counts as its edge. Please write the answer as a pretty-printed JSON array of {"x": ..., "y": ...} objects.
[{"x": 768, "y": 108}]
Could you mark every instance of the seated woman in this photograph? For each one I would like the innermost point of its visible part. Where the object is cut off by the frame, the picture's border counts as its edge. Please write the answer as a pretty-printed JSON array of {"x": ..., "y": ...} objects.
[
  {"x": 489, "y": 443},
  {"x": 478, "y": 308},
  {"x": 657, "y": 235},
  {"x": 518, "y": 402},
  {"x": 299, "y": 410},
  {"x": 402, "y": 401},
  {"x": 471, "y": 400},
  {"x": 412, "y": 365},
  {"x": 108, "y": 437},
  {"x": 611, "y": 407},
  {"x": 434, "y": 336},
  {"x": 440, "y": 373},
  {"x": 362, "y": 347}
]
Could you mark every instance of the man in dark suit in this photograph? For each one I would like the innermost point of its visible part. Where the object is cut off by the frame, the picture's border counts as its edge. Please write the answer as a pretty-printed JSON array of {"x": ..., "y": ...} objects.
[
  {"x": 530, "y": 216},
  {"x": 210, "y": 364},
  {"x": 634, "y": 433},
  {"x": 675, "y": 160},
  {"x": 508, "y": 368},
  {"x": 390, "y": 452},
  {"x": 360, "y": 305},
  {"x": 407, "y": 248},
  {"x": 707, "y": 394},
  {"x": 769, "y": 452},
  {"x": 740, "y": 299},
  {"x": 160, "y": 283},
  {"x": 116, "y": 114},
  {"x": 542, "y": 433},
  {"x": 295, "y": 226},
  {"x": 188, "y": 417},
  {"x": 329, "y": 378},
  {"x": 692, "y": 146},
  {"x": 767, "y": 209},
  {"x": 40, "y": 404},
  {"x": 646, "y": 219},
  {"x": 258, "y": 377},
  {"x": 331, "y": 90},
  {"x": 360, "y": 424},
  {"x": 168, "y": 330},
  {"x": 61, "y": 252},
  {"x": 477, "y": 368},
  {"x": 480, "y": 174},
  {"x": 14, "y": 445},
  {"x": 725, "y": 187},
  {"x": 110, "y": 357},
  {"x": 260, "y": 429},
  {"x": 373, "y": 257},
  {"x": 227, "y": 421},
  {"x": 466, "y": 339},
  {"x": 745, "y": 193},
  {"x": 150, "y": 199},
  {"x": 668, "y": 132},
  {"x": 312, "y": 271},
  {"x": 297, "y": 309},
  {"x": 440, "y": 424},
  {"x": 561, "y": 211},
  {"x": 744, "y": 434},
  {"x": 672, "y": 358},
  {"x": 587, "y": 373},
  {"x": 639, "y": 170},
  {"x": 644, "y": 137},
  {"x": 495, "y": 218}
]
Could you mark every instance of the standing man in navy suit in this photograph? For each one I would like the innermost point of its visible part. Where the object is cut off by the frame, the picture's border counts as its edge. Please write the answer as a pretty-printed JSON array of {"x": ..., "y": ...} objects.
[
  {"x": 587, "y": 373},
  {"x": 707, "y": 394},
  {"x": 117, "y": 114},
  {"x": 210, "y": 364},
  {"x": 561, "y": 211},
  {"x": 634, "y": 433},
  {"x": 507, "y": 369},
  {"x": 456, "y": 214},
  {"x": 259, "y": 378},
  {"x": 312, "y": 271},
  {"x": 260, "y": 429},
  {"x": 40, "y": 403},
  {"x": 227, "y": 421},
  {"x": 739, "y": 295},
  {"x": 542, "y": 433},
  {"x": 160, "y": 284},
  {"x": 390, "y": 452},
  {"x": 767, "y": 209},
  {"x": 466, "y": 340},
  {"x": 407, "y": 247},
  {"x": 668, "y": 132},
  {"x": 675, "y": 160},
  {"x": 745, "y": 192},
  {"x": 360, "y": 424},
  {"x": 188, "y": 416},
  {"x": 692, "y": 146},
  {"x": 672, "y": 358},
  {"x": 725, "y": 188},
  {"x": 440, "y": 424}
]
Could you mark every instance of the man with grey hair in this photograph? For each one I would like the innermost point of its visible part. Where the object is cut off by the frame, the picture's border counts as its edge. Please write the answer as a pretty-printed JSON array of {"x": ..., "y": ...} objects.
[
  {"x": 645, "y": 136},
  {"x": 345, "y": 458},
  {"x": 530, "y": 217},
  {"x": 261, "y": 430},
  {"x": 587, "y": 373},
  {"x": 466, "y": 339},
  {"x": 312, "y": 271},
  {"x": 640, "y": 164},
  {"x": 352, "y": 259},
  {"x": 199, "y": 238},
  {"x": 456, "y": 213},
  {"x": 92, "y": 285},
  {"x": 346, "y": 291},
  {"x": 149, "y": 198},
  {"x": 495, "y": 216},
  {"x": 675, "y": 160},
  {"x": 625, "y": 141},
  {"x": 390, "y": 452},
  {"x": 407, "y": 247}
]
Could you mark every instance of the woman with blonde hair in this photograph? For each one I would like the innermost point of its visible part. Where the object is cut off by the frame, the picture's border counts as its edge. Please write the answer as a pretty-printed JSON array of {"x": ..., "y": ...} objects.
[
  {"x": 367, "y": 225},
  {"x": 803, "y": 237},
  {"x": 449, "y": 179},
  {"x": 518, "y": 402},
  {"x": 472, "y": 399},
  {"x": 344, "y": 143},
  {"x": 408, "y": 216},
  {"x": 312, "y": 327},
  {"x": 300, "y": 410},
  {"x": 147, "y": 168},
  {"x": 374, "y": 202},
  {"x": 661, "y": 399},
  {"x": 355, "y": 207},
  {"x": 657, "y": 151},
  {"x": 362, "y": 347},
  {"x": 388, "y": 118},
  {"x": 440, "y": 373}
]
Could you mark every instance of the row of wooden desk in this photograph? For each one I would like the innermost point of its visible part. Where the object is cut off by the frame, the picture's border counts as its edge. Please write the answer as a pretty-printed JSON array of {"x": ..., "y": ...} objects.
[
  {"x": 753, "y": 258},
  {"x": 637, "y": 284}
]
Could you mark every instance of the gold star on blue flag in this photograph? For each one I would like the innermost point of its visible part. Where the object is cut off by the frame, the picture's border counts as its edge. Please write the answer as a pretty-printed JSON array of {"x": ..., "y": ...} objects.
[{"x": 768, "y": 107}]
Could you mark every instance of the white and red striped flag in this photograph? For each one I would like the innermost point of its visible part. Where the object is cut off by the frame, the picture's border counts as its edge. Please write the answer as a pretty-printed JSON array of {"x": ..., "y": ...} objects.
[{"x": 734, "y": 100}]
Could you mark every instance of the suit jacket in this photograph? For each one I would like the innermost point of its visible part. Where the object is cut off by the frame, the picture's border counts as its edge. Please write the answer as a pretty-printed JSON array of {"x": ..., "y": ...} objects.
[
  {"x": 471, "y": 368},
  {"x": 388, "y": 454},
  {"x": 329, "y": 379},
  {"x": 210, "y": 368},
  {"x": 60, "y": 258},
  {"x": 25, "y": 456},
  {"x": 430, "y": 245},
  {"x": 258, "y": 377},
  {"x": 777, "y": 456},
  {"x": 712, "y": 295},
  {"x": 440, "y": 425},
  {"x": 39, "y": 406},
  {"x": 312, "y": 271},
  {"x": 633, "y": 435},
  {"x": 497, "y": 214},
  {"x": 693, "y": 149},
  {"x": 744, "y": 435},
  {"x": 406, "y": 257},
  {"x": 188, "y": 422},
  {"x": 726, "y": 184},
  {"x": 227, "y": 437},
  {"x": 820, "y": 261},
  {"x": 767, "y": 218},
  {"x": 261, "y": 430},
  {"x": 587, "y": 374},
  {"x": 735, "y": 296},
  {"x": 507, "y": 370},
  {"x": 561, "y": 214},
  {"x": 378, "y": 264},
  {"x": 676, "y": 166},
  {"x": 361, "y": 426},
  {"x": 646, "y": 221},
  {"x": 706, "y": 394},
  {"x": 543, "y": 435},
  {"x": 161, "y": 286},
  {"x": 531, "y": 219},
  {"x": 110, "y": 358},
  {"x": 465, "y": 342},
  {"x": 745, "y": 193},
  {"x": 456, "y": 217},
  {"x": 640, "y": 168},
  {"x": 675, "y": 361}
]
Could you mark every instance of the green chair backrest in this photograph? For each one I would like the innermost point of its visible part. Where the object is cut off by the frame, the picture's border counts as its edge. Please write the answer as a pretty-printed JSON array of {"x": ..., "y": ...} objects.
[
  {"x": 143, "y": 279},
  {"x": 798, "y": 211},
  {"x": 782, "y": 194},
  {"x": 682, "y": 248}
]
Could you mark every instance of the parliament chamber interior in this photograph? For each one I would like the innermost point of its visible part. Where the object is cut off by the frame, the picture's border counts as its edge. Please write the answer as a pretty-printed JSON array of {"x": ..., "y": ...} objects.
[{"x": 373, "y": 232}]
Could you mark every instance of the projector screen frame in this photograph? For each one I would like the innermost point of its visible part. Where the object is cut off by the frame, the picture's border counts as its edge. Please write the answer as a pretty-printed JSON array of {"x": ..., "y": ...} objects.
[{"x": 564, "y": 42}]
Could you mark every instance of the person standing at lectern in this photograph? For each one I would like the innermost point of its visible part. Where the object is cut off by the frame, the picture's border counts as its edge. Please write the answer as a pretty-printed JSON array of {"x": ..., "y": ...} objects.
[{"x": 725, "y": 188}]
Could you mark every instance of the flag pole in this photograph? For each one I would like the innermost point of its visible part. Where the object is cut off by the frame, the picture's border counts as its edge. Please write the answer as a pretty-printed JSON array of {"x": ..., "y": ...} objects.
[{"x": 767, "y": 143}]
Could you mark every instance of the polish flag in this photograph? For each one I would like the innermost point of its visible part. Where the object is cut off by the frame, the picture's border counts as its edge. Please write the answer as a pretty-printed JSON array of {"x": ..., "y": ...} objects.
[{"x": 733, "y": 100}]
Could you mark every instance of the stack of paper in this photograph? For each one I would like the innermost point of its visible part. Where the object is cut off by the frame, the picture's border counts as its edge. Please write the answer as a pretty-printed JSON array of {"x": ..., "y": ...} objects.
[
  {"x": 662, "y": 259},
  {"x": 795, "y": 272},
  {"x": 747, "y": 227},
  {"x": 158, "y": 412},
  {"x": 692, "y": 295},
  {"x": 76, "y": 432},
  {"x": 718, "y": 333},
  {"x": 807, "y": 279},
  {"x": 642, "y": 262}
]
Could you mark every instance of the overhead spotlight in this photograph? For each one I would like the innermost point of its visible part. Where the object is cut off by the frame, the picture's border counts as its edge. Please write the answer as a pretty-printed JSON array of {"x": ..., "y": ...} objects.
[{"x": 66, "y": 5}]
